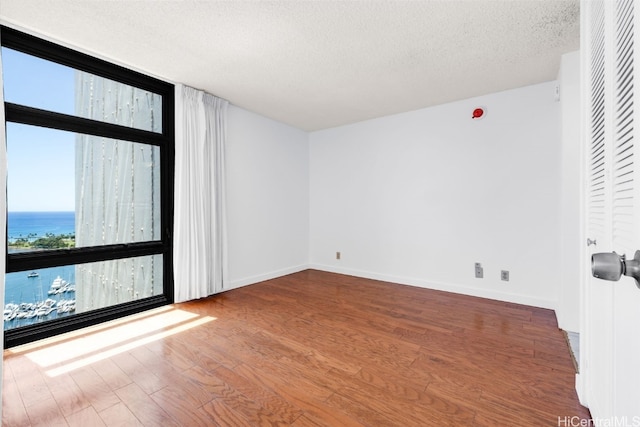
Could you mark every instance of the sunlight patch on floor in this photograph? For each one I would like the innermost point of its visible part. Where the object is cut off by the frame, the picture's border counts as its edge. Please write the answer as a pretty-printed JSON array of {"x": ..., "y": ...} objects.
[
  {"x": 68, "y": 367},
  {"x": 71, "y": 351},
  {"x": 72, "y": 335}
]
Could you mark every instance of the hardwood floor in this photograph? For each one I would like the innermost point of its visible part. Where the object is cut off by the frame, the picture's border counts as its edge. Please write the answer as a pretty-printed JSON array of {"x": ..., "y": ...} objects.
[{"x": 309, "y": 349}]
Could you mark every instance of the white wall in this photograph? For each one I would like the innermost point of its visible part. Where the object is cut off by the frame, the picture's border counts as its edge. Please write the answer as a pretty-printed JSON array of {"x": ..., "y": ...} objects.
[
  {"x": 267, "y": 196},
  {"x": 572, "y": 252},
  {"x": 418, "y": 197}
]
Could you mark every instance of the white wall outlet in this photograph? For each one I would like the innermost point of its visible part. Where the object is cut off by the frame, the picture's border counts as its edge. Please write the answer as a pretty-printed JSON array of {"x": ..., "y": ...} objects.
[{"x": 479, "y": 271}]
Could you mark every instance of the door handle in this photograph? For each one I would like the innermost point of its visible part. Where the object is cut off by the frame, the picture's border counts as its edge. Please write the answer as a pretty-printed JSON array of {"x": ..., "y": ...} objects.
[{"x": 611, "y": 266}]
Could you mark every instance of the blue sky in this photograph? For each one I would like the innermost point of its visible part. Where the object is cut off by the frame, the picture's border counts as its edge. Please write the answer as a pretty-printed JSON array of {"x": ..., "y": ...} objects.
[{"x": 41, "y": 162}]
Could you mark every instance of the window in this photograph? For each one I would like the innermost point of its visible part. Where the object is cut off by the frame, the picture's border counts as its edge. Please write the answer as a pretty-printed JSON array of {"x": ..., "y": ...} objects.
[{"x": 89, "y": 189}]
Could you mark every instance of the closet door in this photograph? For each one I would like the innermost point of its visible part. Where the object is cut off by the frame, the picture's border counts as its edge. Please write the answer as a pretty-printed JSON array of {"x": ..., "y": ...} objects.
[
  {"x": 597, "y": 340},
  {"x": 626, "y": 212},
  {"x": 612, "y": 309}
]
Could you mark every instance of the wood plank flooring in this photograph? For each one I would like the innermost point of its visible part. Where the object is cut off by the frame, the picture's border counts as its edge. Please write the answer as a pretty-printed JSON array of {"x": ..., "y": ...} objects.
[{"x": 308, "y": 349}]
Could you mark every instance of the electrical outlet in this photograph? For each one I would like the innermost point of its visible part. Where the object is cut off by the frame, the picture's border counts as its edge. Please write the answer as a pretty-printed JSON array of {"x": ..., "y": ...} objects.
[
  {"x": 479, "y": 271},
  {"x": 504, "y": 275},
  {"x": 337, "y": 255}
]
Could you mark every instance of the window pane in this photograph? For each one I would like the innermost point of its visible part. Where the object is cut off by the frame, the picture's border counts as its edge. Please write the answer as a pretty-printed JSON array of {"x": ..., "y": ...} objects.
[
  {"x": 50, "y": 293},
  {"x": 73, "y": 190},
  {"x": 35, "y": 82}
]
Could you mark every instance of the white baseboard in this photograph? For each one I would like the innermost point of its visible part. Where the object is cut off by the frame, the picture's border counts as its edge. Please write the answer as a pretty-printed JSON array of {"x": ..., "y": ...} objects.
[
  {"x": 581, "y": 391},
  {"x": 238, "y": 283},
  {"x": 447, "y": 287},
  {"x": 440, "y": 286}
]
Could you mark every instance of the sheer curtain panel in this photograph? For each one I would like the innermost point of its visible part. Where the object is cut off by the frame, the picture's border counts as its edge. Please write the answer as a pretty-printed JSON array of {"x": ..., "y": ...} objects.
[{"x": 199, "y": 217}]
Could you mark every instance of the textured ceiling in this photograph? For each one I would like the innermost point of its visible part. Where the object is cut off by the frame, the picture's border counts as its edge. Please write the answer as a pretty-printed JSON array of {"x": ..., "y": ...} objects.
[{"x": 319, "y": 64}]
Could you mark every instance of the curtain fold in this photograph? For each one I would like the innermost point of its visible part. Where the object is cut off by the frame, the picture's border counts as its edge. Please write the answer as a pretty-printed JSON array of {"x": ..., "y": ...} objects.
[{"x": 199, "y": 255}]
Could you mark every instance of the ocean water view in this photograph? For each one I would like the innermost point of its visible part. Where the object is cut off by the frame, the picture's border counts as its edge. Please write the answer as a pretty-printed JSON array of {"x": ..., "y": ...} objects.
[
  {"x": 38, "y": 224},
  {"x": 41, "y": 294}
]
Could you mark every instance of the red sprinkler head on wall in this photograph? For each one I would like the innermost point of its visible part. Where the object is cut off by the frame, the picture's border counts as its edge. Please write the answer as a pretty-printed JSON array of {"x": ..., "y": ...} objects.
[{"x": 477, "y": 113}]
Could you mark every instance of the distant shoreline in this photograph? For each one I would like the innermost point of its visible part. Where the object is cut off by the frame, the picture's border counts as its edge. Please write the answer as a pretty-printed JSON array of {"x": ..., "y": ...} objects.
[{"x": 49, "y": 241}]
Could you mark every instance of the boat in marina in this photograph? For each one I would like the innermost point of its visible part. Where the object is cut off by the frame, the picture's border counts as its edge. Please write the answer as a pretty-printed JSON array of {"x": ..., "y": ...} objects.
[
  {"x": 38, "y": 309},
  {"x": 60, "y": 286},
  {"x": 56, "y": 285},
  {"x": 66, "y": 306}
]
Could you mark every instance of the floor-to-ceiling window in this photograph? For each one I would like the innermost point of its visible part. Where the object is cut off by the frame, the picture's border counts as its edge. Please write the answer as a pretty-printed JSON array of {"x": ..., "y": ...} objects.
[{"x": 89, "y": 189}]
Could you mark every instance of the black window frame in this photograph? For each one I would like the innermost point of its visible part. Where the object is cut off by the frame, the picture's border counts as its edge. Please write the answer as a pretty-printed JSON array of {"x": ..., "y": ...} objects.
[{"x": 14, "y": 113}]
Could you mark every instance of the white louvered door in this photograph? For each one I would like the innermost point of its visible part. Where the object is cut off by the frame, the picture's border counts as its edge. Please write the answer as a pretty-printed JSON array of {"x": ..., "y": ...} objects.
[
  {"x": 611, "y": 321},
  {"x": 626, "y": 214},
  {"x": 597, "y": 340}
]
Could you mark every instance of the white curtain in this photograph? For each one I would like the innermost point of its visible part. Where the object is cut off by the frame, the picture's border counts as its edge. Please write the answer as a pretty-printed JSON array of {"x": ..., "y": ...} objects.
[{"x": 199, "y": 217}]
